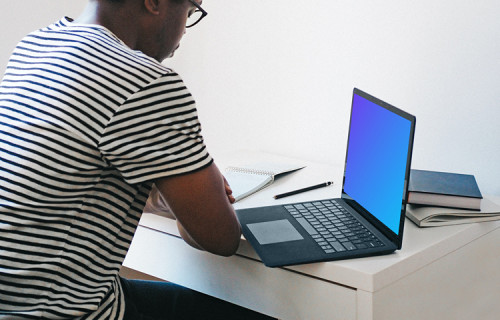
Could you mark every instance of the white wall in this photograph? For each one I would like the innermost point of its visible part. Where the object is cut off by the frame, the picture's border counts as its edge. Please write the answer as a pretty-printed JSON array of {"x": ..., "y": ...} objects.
[
  {"x": 17, "y": 18},
  {"x": 277, "y": 75}
]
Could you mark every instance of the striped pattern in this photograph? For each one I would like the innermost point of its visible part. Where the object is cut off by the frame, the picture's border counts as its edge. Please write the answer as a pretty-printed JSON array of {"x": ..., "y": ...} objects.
[{"x": 85, "y": 125}]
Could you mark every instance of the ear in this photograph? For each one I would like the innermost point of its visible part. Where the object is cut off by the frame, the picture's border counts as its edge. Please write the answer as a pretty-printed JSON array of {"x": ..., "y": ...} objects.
[{"x": 152, "y": 6}]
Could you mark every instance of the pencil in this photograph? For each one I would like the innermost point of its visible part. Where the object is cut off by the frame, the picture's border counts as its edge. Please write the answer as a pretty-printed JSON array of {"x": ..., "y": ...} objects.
[{"x": 291, "y": 193}]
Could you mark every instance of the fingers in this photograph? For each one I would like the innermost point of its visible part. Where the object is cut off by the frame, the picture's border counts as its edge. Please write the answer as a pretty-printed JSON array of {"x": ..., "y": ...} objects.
[{"x": 229, "y": 192}]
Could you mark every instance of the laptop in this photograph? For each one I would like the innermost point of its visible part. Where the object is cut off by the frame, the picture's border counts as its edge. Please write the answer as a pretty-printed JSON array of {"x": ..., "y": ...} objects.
[{"x": 368, "y": 219}]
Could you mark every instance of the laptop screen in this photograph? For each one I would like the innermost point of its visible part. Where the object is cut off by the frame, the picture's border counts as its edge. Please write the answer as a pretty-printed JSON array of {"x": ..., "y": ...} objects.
[{"x": 378, "y": 156}]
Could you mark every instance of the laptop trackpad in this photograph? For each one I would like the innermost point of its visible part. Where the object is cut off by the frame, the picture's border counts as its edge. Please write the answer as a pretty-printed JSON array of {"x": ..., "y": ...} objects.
[{"x": 274, "y": 231}]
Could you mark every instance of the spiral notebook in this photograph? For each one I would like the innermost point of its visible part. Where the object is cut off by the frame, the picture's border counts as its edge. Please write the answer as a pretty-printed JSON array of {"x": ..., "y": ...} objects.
[{"x": 249, "y": 179}]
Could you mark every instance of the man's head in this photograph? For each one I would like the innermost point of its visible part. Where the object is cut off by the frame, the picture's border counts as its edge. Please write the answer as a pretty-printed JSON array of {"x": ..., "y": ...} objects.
[{"x": 154, "y": 27}]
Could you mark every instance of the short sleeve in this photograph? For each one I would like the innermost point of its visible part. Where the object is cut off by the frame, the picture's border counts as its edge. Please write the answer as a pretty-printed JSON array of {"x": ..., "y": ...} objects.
[{"x": 156, "y": 133}]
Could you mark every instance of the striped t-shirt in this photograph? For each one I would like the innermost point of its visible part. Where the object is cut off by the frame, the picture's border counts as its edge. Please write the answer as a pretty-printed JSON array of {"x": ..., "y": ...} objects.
[{"x": 86, "y": 124}]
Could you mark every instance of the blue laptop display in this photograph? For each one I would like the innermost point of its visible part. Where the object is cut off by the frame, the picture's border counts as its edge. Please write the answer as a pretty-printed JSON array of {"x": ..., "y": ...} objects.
[{"x": 368, "y": 219}]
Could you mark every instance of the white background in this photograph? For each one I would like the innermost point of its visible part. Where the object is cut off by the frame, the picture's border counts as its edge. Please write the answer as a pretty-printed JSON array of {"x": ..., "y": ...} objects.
[{"x": 278, "y": 75}]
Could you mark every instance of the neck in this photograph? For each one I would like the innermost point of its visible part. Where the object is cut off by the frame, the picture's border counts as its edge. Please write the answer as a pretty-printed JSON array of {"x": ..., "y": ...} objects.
[{"x": 111, "y": 16}]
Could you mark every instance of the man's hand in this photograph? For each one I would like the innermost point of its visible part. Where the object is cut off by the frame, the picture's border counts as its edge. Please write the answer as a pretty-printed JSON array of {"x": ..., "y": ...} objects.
[{"x": 229, "y": 192}]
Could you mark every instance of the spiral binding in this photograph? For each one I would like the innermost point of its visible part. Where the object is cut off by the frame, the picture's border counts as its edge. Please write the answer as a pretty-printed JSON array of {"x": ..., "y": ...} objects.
[{"x": 251, "y": 171}]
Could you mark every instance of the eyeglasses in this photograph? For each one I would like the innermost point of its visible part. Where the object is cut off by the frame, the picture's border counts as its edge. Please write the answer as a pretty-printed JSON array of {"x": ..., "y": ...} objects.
[{"x": 196, "y": 16}]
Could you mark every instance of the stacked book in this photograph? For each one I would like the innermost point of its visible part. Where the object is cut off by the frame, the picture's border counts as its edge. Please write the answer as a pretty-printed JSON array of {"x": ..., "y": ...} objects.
[{"x": 444, "y": 198}]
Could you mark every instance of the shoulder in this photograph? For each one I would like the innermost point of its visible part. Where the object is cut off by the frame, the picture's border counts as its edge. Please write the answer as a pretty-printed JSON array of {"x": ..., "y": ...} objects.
[{"x": 98, "y": 49}]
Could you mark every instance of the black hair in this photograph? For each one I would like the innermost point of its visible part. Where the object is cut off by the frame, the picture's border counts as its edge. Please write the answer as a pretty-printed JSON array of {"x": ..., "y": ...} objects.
[{"x": 121, "y": 1}]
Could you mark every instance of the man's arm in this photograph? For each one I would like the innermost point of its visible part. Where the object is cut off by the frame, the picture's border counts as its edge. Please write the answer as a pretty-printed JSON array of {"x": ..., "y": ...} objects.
[{"x": 202, "y": 206}]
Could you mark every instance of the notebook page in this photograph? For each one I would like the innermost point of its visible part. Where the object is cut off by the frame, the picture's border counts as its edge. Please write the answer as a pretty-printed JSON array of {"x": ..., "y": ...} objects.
[{"x": 244, "y": 184}]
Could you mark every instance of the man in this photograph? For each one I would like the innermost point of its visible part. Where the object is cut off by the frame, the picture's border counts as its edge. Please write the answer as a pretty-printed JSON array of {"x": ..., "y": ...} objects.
[{"x": 89, "y": 120}]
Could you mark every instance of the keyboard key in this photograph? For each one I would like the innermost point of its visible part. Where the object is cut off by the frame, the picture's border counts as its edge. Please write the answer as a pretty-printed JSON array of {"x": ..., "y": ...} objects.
[
  {"x": 337, "y": 246},
  {"x": 332, "y": 227},
  {"x": 303, "y": 222},
  {"x": 349, "y": 245}
]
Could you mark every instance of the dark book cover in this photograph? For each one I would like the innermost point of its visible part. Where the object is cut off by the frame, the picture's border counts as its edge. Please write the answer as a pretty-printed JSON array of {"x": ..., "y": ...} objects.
[{"x": 444, "y": 183}]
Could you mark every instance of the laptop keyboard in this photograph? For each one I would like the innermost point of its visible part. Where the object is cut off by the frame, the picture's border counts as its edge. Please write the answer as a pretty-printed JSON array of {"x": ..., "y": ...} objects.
[{"x": 332, "y": 227}]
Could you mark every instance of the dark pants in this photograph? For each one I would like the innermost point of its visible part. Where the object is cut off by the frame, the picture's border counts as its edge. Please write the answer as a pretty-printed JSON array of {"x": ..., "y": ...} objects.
[{"x": 154, "y": 300}]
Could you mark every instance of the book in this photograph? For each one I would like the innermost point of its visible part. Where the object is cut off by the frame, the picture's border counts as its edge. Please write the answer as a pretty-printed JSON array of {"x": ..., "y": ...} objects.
[
  {"x": 428, "y": 216},
  {"x": 444, "y": 189},
  {"x": 248, "y": 179}
]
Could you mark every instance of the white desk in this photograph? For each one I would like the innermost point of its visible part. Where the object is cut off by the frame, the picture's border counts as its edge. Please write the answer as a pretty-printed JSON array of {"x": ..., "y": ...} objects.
[{"x": 440, "y": 273}]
